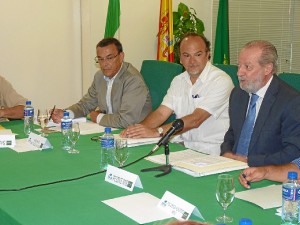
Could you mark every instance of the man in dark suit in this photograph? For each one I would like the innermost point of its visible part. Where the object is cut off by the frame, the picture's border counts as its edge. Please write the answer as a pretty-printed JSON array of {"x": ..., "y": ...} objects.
[{"x": 274, "y": 138}]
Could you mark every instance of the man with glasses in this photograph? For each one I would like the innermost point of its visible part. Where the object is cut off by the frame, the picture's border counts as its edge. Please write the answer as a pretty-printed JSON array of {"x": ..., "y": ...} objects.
[
  {"x": 11, "y": 103},
  {"x": 118, "y": 96}
]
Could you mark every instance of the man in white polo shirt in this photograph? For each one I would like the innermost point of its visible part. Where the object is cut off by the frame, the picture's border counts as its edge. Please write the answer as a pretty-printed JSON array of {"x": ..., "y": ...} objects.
[{"x": 199, "y": 96}]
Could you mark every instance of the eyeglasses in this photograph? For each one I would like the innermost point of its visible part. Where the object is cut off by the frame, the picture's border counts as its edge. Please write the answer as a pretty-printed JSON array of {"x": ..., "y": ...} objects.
[{"x": 107, "y": 58}]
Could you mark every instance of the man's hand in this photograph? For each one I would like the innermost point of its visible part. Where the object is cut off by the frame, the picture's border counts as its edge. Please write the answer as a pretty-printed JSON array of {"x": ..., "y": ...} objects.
[
  {"x": 57, "y": 114},
  {"x": 252, "y": 174},
  {"x": 94, "y": 115},
  {"x": 139, "y": 131}
]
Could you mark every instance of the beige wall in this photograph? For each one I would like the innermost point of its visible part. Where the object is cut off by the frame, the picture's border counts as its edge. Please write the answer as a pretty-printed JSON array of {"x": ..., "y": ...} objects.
[
  {"x": 45, "y": 45},
  {"x": 40, "y": 47}
]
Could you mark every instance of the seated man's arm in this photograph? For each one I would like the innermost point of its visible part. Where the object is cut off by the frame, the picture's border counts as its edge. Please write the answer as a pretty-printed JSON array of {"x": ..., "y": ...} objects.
[
  {"x": 148, "y": 127},
  {"x": 16, "y": 112},
  {"x": 274, "y": 173}
]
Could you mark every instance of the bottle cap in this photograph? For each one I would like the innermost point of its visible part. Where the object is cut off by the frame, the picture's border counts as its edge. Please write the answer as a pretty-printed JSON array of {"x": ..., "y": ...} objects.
[
  {"x": 66, "y": 113},
  {"x": 292, "y": 175},
  {"x": 107, "y": 130},
  {"x": 28, "y": 102},
  {"x": 245, "y": 221}
]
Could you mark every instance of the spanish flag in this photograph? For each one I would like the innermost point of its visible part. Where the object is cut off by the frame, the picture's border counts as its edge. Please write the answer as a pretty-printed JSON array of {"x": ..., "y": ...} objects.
[{"x": 165, "y": 46}]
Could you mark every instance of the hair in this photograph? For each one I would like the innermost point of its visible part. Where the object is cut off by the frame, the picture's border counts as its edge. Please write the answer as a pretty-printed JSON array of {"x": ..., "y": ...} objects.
[
  {"x": 108, "y": 41},
  {"x": 268, "y": 55},
  {"x": 206, "y": 41},
  {"x": 192, "y": 34},
  {"x": 188, "y": 222}
]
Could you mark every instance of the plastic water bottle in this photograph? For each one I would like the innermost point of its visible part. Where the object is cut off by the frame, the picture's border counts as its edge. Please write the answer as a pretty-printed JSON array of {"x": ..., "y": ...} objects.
[
  {"x": 107, "y": 149},
  {"x": 290, "y": 200},
  {"x": 66, "y": 126},
  {"x": 245, "y": 221},
  {"x": 28, "y": 117}
]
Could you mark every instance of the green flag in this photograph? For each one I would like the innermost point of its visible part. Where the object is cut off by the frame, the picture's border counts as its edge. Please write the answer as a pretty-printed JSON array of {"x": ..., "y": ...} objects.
[
  {"x": 221, "y": 50},
  {"x": 112, "y": 18}
]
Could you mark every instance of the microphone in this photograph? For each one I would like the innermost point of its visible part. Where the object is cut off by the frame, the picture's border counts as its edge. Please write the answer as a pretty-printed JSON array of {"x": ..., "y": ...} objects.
[{"x": 177, "y": 125}]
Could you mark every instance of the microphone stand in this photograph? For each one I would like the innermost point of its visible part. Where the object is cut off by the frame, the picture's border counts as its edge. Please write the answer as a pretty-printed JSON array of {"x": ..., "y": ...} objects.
[{"x": 165, "y": 168}]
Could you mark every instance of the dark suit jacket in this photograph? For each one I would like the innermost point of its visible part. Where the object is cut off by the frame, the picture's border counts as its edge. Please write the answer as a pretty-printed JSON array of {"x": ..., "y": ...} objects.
[{"x": 276, "y": 134}]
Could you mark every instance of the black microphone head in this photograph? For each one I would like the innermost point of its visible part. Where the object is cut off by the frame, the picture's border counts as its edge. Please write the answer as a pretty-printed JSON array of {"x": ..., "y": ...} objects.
[{"x": 178, "y": 124}]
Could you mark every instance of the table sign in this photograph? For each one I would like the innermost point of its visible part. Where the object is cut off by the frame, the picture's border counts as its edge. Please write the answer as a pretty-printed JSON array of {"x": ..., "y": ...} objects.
[
  {"x": 178, "y": 207},
  {"x": 38, "y": 141},
  {"x": 122, "y": 178},
  {"x": 7, "y": 139}
]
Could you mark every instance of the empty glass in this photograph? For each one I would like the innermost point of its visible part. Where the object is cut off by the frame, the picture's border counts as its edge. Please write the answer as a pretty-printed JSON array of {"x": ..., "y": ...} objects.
[
  {"x": 74, "y": 137},
  {"x": 225, "y": 195},
  {"x": 121, "y": 151}
]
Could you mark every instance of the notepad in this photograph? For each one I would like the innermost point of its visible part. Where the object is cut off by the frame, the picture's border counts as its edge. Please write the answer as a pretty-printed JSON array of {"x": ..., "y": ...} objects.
[{"x": 199, "y": 164}]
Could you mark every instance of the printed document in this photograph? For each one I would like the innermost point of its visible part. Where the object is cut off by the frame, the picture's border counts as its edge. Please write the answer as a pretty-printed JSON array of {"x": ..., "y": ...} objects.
[{"x": 198, "y": 164}]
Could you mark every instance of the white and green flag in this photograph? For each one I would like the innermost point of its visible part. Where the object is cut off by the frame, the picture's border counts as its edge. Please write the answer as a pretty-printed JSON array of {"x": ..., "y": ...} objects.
[{"x": 112, "y": 19}]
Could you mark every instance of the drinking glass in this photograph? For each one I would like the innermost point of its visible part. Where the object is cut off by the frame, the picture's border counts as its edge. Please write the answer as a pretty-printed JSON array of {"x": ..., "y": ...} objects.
[
  {"x": 225, "y": 195},
  {"x": 74, "y": 136},
  {"x": 43, "y": 119},
  {"x": 121, "y": 151}
]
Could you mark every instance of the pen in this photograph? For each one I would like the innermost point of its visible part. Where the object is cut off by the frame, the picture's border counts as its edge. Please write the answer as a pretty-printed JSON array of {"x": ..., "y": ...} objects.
[
  {"x": 248, "y": 182},
  {"x": 52, "y": 112}
]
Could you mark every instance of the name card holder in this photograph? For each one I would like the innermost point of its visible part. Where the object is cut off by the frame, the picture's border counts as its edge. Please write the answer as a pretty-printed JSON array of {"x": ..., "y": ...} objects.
[
  {"x": 38, "y": 141},
  {"x": 7, "y": 140},
  {"x": 177, "y": 207},
  {"x": 122, "y": 178}
]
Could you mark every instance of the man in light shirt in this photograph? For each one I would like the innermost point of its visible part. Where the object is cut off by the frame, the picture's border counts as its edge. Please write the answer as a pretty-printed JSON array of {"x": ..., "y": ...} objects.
[
  {"x": 11, "y": 103},
  {"x": 118, "y": 96},
  {"x": 199, "y": 96},
  {"x": 275, "y": 138}
]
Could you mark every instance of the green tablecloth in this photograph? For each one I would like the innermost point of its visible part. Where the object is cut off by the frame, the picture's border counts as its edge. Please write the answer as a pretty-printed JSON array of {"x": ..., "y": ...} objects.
[{"x": 79, "y": 202}]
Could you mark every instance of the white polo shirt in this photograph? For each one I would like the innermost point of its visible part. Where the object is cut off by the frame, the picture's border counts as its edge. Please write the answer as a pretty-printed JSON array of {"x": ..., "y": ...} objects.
[{"x": 210, "y": 92}]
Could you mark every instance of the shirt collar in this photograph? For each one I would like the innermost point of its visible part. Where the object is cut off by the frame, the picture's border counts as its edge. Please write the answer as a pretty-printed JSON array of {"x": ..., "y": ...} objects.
[
  {"x": 261, "y": 92},
  {"x": 114, "y": 77}
]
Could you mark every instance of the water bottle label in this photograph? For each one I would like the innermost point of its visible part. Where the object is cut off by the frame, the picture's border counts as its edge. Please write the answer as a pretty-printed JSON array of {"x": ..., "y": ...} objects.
[
  {"x": 66, "y": 125},
  {"x": 291, "y": 194},
  {"x": 28, "y": 112},
  {"x": 107, "y": 143}
]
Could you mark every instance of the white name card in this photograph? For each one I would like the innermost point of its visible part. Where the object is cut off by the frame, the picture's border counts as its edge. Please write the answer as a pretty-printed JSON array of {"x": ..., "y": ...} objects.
[
  {"x": 122, "y": 178},
  {"x": 38, "y": 141},
  {"x": 178, "y": 207},
  {"x": 7, "y": 139}
]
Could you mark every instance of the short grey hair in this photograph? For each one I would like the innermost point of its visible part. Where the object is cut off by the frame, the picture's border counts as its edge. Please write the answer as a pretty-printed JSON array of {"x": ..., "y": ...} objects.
[{"x": 268, "y": 55}]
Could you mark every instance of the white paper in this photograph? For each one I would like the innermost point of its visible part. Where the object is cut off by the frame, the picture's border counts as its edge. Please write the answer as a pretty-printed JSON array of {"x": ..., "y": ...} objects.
[
  {"x": 141, "y": 207},
  {"x": 23, "y": 146},
  {"x": 266, "y": 197},
  {"x": 132, "y": 142},
  {"x": 198, "y": 164}
]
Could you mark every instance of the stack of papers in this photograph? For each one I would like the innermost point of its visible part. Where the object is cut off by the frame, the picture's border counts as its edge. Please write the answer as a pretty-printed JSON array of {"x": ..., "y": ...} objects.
[
  {"x": 198, "y": 164},
  {"x": 132, "y": 142},
  {"x": 86, "y": 126}
]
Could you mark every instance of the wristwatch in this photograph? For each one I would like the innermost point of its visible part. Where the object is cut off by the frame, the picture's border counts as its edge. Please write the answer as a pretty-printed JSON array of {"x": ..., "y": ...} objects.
[{"x": 160, "y": 130}]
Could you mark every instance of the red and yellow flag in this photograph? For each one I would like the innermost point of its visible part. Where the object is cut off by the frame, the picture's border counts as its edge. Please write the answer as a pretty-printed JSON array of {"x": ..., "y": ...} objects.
[{"x": 165, "y": 46}]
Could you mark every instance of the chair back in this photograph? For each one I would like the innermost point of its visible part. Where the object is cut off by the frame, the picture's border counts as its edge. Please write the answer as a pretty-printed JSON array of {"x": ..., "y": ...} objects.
[
  {"x": 291, "y": 79},
  {"x": 158, "y": 76},
  {"x": 231, "y": 70}
]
